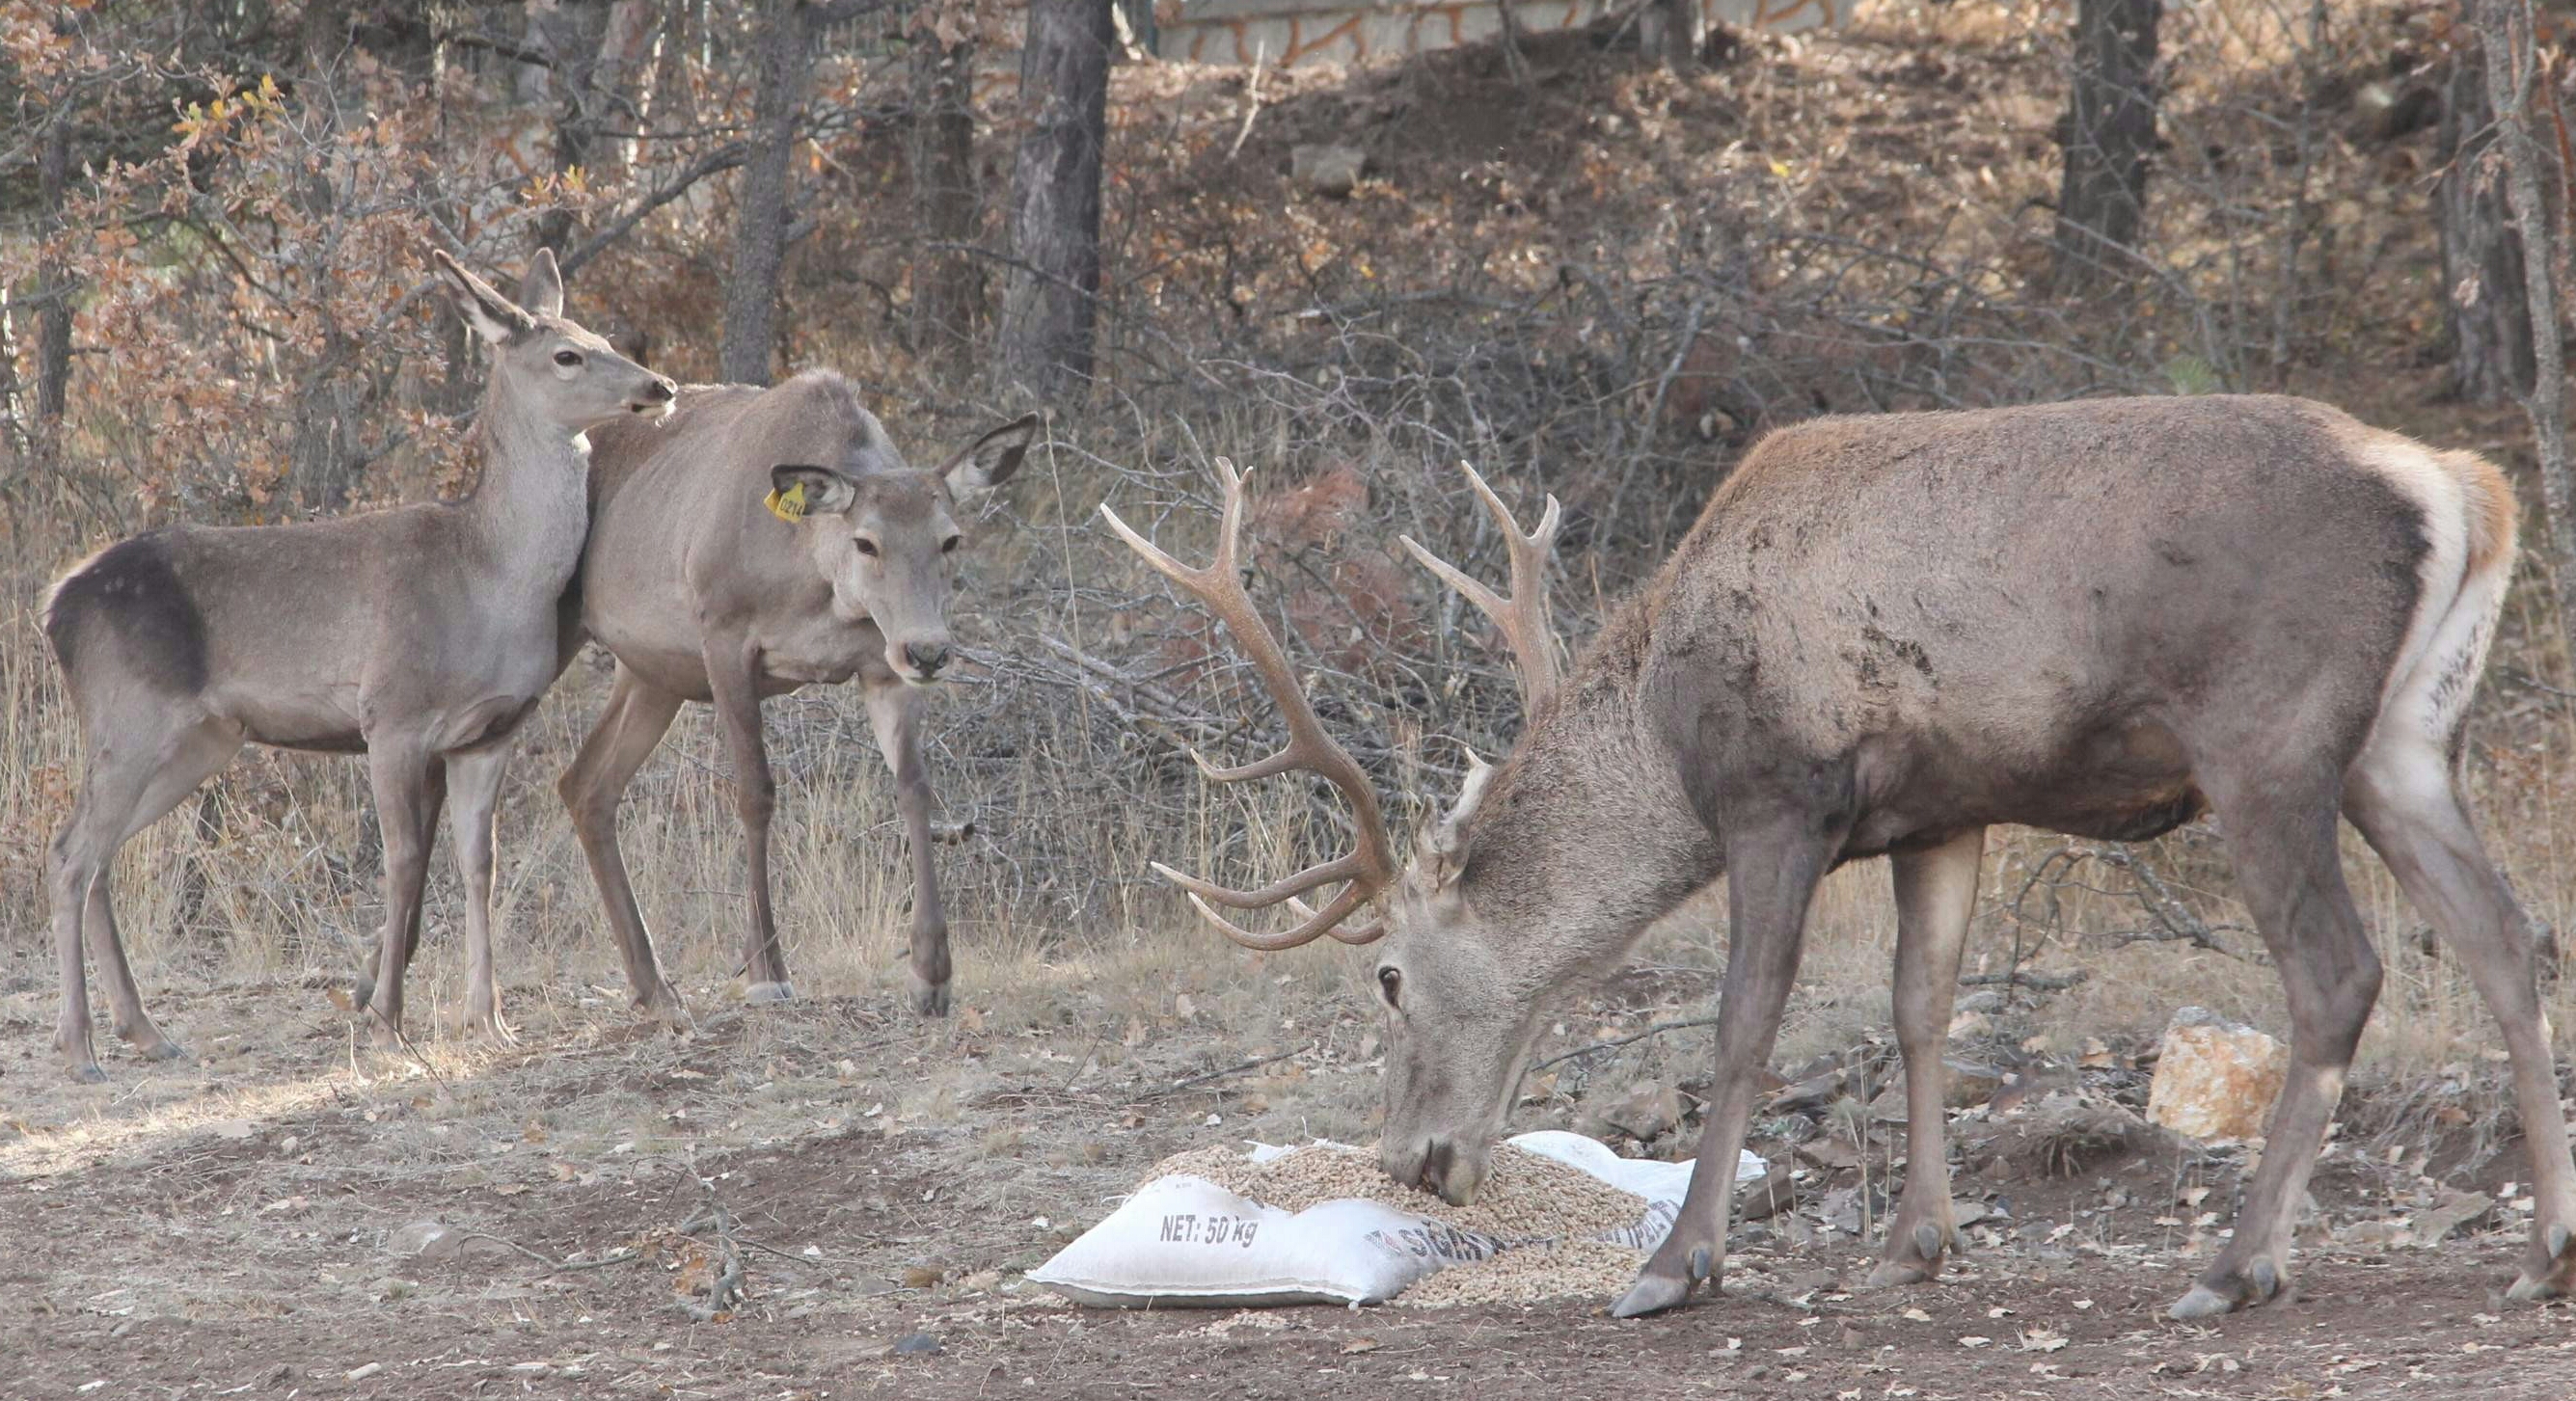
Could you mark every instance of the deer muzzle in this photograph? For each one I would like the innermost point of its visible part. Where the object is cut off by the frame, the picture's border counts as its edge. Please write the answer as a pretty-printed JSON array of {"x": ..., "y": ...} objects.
[{"x": 1441, "y": 1166}]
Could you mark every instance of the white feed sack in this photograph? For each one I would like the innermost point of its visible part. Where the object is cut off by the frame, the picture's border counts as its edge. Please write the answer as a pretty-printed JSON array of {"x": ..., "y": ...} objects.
[{"x": 1201, "y": 1234}]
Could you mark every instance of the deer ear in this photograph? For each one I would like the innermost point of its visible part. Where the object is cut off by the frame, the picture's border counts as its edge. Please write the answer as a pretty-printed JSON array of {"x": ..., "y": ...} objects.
[
  {"x": 1444, "y": 851},
  {"x": 990, "y": 460},
  {"x": 797, "y": 491},
  {"x": 542, "y": 290},
  {"x": 494, "y": 317}
]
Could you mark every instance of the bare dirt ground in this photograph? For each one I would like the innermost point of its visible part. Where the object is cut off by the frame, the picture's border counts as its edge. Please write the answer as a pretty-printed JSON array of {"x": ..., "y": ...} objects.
[{"x": 236, "y": 1226}]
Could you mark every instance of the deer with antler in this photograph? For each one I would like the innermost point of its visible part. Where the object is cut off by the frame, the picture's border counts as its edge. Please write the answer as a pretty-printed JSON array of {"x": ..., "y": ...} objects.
[{"x": 1886, "y": 634}]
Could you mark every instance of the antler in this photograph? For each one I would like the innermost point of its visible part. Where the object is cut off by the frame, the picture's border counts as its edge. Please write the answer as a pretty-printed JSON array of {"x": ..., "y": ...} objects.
[
  {"x": 1367, "y": 867},
  {"x": 1523, "y": 617}
]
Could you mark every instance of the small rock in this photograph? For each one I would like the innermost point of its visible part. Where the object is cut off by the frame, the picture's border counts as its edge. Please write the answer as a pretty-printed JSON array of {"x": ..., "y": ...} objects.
[
  {"x": 1813, "y": 1092},
  {"x": 1327, "y": 169},
  {"x": 2456, "y": 1209},
  {"x": 1766, "y": 1196},
  {"x": 359, "y": 1374},
  {"x": 917, "y": 1345},
  {"x": 1646, "y": 1113},
  {"x": 420, "y": 1237},
  {"x": 1967, "y": 1084},
  {"x": 1831, "y": 1154},
  {"x": 2215, "y": 1079}
]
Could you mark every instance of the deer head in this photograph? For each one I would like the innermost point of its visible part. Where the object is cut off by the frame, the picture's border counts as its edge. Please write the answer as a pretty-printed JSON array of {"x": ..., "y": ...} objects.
[
  {"x": 1462, "y": 998},
  {"x": 555, "y": 371},
  {"x": 885, "y": 534}
]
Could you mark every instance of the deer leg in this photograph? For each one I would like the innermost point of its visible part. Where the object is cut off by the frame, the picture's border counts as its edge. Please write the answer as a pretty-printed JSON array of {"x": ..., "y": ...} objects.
[
  {"x": 2281, "y": 830},
  {"x": 1936, "y": 890},
  {"x": 733, "y": 678},
  {"x": 131, "y": 783},
  {"x": 636, "y": 718},
  {"x": 407, "y": 792},
  {"x": 1771, "y": 877},
  {"x": 365, "y": 991},
  {"x": 894, "y": 710},
  {"x": 125, "y": 1003},
  {"x": 474, "y": 783},
  {"x": 2404, "y": 798}
]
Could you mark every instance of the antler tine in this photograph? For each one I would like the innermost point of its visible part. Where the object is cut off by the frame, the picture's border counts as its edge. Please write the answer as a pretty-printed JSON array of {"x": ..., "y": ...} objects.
[
  {"x": 1370, "y": 865},
  {"x": 1523, "y": 617}
]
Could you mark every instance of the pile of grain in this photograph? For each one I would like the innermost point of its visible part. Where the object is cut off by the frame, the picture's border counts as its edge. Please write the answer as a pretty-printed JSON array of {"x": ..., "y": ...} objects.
[
  {"x": 1581, "y": 1269},
  {"x": 1526, "y": 1197}
]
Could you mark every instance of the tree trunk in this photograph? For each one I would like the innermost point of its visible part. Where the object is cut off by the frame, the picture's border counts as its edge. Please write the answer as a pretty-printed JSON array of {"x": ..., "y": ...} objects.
[
  {"x": 599, "y": 50},
  {"x": 947, "y": 286},
  {"x": 2109, "y": 135},
  {"x": 2505, "y": 33},
  {"x": 760, "y": 220},
  {"x": 1050, "y": 299},
  {"x": 2482, "y": 292},
  {"x": 1671, "y": 32},
  {"x": 54, "y": 322}
]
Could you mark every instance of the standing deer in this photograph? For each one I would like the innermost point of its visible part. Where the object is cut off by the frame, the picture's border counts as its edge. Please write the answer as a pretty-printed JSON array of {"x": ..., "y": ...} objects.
[
  {"x": 1886, "y": 634},
  {"x": 420, "y": 636},
  {"x": 703, "y": 592}
]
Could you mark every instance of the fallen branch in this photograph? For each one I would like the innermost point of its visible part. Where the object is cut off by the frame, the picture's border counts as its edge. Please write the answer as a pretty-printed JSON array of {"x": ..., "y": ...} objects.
[
  {"x": 1657, "y": 1029},
  {"x": 1254, "y": 1064},
  {"x": 724, "y": 1291},
  {"x": 2042, "y": 982}
]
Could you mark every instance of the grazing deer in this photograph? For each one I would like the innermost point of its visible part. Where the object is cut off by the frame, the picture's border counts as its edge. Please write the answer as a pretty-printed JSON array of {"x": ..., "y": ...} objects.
[
  {"x": 1886, "y": 634},
  {"x": 702, "y": 591},
  {"x": 420, "y": 636}
]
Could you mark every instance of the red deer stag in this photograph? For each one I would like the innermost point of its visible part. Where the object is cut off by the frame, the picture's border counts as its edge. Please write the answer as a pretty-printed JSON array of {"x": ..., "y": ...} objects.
[
  {"x": 702, "y": 592},
  {"x": 420, "y": 636},
  {"x": 1886, "y": 634}
]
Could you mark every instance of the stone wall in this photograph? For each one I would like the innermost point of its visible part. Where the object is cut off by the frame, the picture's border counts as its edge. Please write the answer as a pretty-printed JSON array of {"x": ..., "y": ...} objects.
[{"x": 1283, "y": 33}]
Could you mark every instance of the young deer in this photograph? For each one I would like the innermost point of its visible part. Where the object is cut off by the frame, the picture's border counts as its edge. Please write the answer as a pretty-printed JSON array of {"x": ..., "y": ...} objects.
[
  {"x": 420, "y": 636},
  {"x": 1885, "y": 635},
  {"x": 703, "y": 592}
]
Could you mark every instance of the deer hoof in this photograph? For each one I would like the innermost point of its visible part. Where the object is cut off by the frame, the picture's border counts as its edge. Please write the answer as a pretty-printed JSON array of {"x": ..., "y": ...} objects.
[
  {"x": 762, "y": 994},
  {"x": 490, "y": 1027},
  {"x": 1914, "y": 1257},
  {"x": 87, "y": 1073},
  {"x": 928, "y": 999},
  {"x": 1652, "y": 1293},
  {"x": 664, "y": 1008},
  {"x": 2553, "y": 1277},
  {"x": 2258, "y": 1282},
  {"x": 2201, "y": 1302}
]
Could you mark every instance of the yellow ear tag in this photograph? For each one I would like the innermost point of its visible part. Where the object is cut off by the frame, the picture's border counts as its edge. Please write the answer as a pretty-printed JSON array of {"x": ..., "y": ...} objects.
[{"x": 788, "y": 505}]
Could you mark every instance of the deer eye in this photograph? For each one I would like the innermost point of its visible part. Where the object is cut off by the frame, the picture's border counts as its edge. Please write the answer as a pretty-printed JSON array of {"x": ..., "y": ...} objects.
[
  {"x": 949, "y": 545},
  {"x": 1391, "y": 982},
  {"x": 567, "y": 358},
  {"x": 866, "y": 546}
]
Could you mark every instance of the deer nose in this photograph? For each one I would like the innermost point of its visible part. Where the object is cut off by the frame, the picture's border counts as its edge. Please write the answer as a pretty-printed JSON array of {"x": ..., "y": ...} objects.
[
  {"x": 926, "y": 657},
  {"x": 661, "y": 391}
]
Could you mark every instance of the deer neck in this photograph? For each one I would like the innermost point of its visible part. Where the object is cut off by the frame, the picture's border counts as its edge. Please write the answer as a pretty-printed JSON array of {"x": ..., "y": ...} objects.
[
  {"x": 531, "y": 510},
  {"x": 1588, "y": 834}
]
